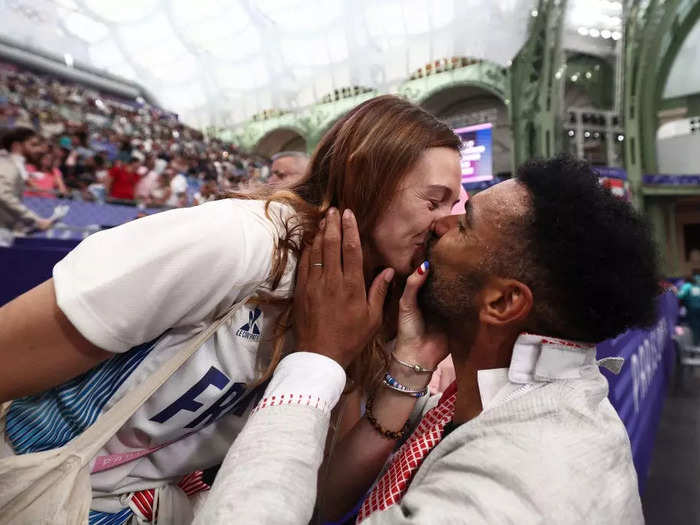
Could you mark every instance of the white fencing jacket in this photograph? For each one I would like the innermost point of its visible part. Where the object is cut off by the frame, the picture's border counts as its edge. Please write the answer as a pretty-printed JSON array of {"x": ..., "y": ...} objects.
[{"x": 547, "y": 448}]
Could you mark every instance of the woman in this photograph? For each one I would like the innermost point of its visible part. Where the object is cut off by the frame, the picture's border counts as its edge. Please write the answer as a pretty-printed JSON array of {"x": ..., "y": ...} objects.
[
  {"x": 161, "y": 192},
  {"x": 46, "y": 180},
  {"x": 126, "y": 299}
]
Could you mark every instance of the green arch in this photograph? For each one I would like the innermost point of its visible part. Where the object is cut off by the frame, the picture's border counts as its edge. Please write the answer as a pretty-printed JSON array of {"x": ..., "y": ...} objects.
[
  {"x": 656, "y": 35},
  {"x": 249, "y": 136},
  {"x": 319, "y": 118},
  {"x": 485, "y": 75},
  {"x": 294, "y": 129},
  {"x": 681, "y": 26}
]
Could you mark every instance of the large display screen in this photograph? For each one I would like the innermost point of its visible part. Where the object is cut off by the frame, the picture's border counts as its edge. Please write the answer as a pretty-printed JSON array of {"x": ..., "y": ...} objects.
[{"x": 477, "y": 153}]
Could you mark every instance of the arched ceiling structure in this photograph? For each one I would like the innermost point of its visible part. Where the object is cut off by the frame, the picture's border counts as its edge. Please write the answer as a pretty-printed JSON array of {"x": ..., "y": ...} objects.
[
  {"x": 684, "y": 77},
  {"x": 219, "y": 62}
]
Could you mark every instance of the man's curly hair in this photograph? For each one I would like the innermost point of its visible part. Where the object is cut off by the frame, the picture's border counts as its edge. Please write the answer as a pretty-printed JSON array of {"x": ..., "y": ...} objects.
[{"x": 588, "y": 256}]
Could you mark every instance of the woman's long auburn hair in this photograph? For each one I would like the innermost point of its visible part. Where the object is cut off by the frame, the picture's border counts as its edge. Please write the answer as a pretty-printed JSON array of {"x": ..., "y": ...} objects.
[{"x": 358, "y": 164}]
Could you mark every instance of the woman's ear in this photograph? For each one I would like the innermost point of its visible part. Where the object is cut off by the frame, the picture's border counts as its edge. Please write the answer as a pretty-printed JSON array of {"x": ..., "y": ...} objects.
[{"x": 505, "y": 301}]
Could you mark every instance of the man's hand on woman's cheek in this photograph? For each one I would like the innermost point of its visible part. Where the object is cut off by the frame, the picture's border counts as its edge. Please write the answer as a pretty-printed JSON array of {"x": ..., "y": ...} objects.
[{"x": 333, "y": 314}]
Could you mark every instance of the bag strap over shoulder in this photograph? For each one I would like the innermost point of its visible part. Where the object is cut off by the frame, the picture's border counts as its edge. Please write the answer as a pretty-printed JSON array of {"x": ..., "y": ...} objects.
[{"x": 87, "y": 444}]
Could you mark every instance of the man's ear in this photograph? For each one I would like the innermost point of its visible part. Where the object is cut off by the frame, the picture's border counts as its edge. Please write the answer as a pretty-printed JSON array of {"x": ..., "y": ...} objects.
[{"x": 505, "y": 301}]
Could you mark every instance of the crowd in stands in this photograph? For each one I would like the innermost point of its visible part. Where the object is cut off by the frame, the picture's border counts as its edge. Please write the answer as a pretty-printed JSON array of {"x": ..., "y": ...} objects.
[
  {"x": 268, "y": 114},
  {"x": 100, "y": 147},
  {"x": 442, "y": 65},
  {"x": 346, "y": 92}
]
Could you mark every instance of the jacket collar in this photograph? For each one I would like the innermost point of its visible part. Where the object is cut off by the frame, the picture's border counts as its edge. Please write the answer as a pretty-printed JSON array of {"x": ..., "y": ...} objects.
[{"x": 538, "y": 360}]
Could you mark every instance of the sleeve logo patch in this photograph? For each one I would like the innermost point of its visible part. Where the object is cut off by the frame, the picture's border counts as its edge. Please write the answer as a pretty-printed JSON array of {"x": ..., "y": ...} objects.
[{"x": 251, "y": 329}]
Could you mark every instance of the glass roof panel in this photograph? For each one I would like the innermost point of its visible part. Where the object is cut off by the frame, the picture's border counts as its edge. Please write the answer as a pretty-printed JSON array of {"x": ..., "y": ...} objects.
[
  {"x": 226, "y": 60},
  {"x": 684, "y": 77}
]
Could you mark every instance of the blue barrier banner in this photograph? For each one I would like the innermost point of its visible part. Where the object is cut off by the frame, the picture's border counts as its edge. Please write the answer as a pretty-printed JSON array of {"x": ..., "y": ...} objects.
[
  {"x": 29, "y": 262},
  {"x": 611, "y": 173},
  {"x": 639, "y": 391},
  {"x": 84, "y": 217},
  {"x": 674, "y": 180}
]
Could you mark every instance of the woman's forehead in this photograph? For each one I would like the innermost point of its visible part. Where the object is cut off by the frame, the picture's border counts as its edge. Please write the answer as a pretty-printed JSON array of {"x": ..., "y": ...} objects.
[{"x": 437, "y": 167}]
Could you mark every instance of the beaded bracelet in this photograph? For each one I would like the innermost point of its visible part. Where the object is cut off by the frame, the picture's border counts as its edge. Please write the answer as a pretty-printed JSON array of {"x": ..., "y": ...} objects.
[
  {"x": 412, "y": 393},
  {"x": 393, "y": 384},
  {"x": 418, "y": 369},
  {"x": 389, "y": 434}
]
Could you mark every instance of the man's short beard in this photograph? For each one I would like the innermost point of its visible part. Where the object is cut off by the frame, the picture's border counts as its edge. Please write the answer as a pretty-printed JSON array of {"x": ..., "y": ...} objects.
[{"x": 450, "y": 303}]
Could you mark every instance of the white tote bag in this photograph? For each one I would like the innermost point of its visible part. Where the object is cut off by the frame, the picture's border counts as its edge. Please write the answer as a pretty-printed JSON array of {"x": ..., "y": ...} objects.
[{"x": 53, "y": 487}]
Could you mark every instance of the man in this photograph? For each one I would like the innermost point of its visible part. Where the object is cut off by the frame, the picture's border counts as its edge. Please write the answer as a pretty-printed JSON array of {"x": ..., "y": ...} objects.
[
  {"x": 537, "y": 270},
  {"x": 178, "y": 184},
  {"x": 288, "y": 167},
  {"x": 122, "y": 180},
  {"x": 149, "y": 179},
  {"x": 20, "y": 145},
  {"x": 689, "y": 295}
]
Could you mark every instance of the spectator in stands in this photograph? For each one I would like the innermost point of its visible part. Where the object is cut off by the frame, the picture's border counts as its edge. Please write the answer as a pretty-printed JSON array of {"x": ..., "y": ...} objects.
[
  {"x": 288, "y": 167},
  {"x": 58, "y": 153},
  {"x": 19, "y": 145},
  {"x": 101, "y": 173},
  {"x": 160, "y": 194},
  {"x": 69, "y": 168},
  {"x": 95, "y": 179},
  {"x": 149, "y": 179},
  {"x": 207, "y": 192},
  {"x": 124, "y": 153},
  {"x": 47, "y": 179},
  {"x": 81, "y": 146},
  {"x": 65, "y": 114},
  {"x": 526, "y": 434},
  {"x": 178, "y": 184},
  {"x": 122, "y": 180},
  {"x": 689, "y": 295}
]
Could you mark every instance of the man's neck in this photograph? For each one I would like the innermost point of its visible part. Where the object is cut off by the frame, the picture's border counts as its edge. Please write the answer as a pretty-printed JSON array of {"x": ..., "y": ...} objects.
[{"x": 488, "y": 351}]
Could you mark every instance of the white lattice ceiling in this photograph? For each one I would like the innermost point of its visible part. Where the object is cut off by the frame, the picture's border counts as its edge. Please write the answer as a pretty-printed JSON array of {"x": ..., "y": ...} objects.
[{"x": 221, "y": 61}]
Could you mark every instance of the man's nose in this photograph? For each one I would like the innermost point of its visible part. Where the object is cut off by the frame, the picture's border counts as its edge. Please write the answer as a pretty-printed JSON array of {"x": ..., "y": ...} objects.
[{"x": 442, "y": 226}]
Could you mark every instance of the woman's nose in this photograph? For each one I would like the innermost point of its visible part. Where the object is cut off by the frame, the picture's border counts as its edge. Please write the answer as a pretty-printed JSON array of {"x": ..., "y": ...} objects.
[{"x": 442, "y": 226}]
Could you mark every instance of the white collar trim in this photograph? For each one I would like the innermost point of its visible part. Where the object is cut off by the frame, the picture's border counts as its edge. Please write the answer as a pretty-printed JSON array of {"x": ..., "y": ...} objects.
[
  {"x": 540, "y": 359},
  {"x": 537, "y": 358}
]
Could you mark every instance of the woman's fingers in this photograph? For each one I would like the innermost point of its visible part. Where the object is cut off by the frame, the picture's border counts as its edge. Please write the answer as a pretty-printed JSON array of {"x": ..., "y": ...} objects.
[
  {"x": 410, "y": 317},
  {"x": 413, "y": 342},
  {"x": 409, "y": 298}
]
